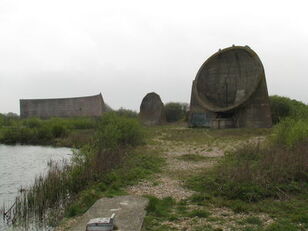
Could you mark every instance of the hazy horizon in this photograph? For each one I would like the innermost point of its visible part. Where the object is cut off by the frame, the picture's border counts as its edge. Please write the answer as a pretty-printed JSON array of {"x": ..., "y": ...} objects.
[{"x": 125, "y": 49}]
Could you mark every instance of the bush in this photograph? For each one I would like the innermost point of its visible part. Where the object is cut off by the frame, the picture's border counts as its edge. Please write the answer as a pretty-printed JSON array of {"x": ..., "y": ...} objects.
[
  {"x": 274, "y": 169},
  {"x": 58, "y": 131},
  {"x": 290, "y": 132},
  {"x": 175, "y": 111},
  {"x": 34, "y": 133},
  {"x": 38, "y": 131},
  {"x": 6, "y": 120},
  {"x": 252, "y": 173},
  {"x": 127, "y": 113},
  {"x": 199, "y": 213},
  {"x": 86, "y": 123},
  {"x": 283, "y": 107},
  {"x": 114, "y": 131},
  {"x": 91, "y": 174},
  {"x": 44, "y": 133},
  {"x": 160, "y": 207},
  {"x": 2, "y": 120},
  {"x": 9, "y": 135},
  {"x": 32, "y": 123}
]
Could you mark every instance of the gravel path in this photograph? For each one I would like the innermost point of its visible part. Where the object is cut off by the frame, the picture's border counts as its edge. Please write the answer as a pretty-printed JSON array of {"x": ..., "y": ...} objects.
[{"x": 168, "y": 183}]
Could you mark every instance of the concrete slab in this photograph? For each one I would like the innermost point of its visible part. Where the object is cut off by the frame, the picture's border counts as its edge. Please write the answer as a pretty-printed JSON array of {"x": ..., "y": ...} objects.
[{"x": 129, "y": 210}]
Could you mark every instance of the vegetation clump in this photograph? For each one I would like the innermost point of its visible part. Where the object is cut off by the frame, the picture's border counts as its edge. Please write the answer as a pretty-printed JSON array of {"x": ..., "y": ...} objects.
[
  {"x": 283, "y": 107},
  {"x": 97, "y": 169},
  {"x": 176, "y": 111},
  {"x": 115, "y": 131},
  {"x": 291, "y": 132},
  {"x": 38, "y": 131},
  {"x": 266, "y": 177},
  {"x": 127, "y": 113}
]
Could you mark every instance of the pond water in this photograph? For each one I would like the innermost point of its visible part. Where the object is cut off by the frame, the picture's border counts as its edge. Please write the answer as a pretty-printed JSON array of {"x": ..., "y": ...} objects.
[{"x": 19, "y": 164}]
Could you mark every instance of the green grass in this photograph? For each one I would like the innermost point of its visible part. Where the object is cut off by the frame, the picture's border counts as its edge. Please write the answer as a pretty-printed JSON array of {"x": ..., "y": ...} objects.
[
  {"x": 199, "y": 213},
  {"x": 160, "y": 207},
  {"x": 289, "y": 209},
  {"x": 270, "y": 178},
  {"x": 158, "y": 210},
  {"x": 194, "y": 157},
  {"x": 289, "y": 132},
  {"x": 98, "y": 169},
  {"x": 283, "y": 107},
  {"x": 139, "y": 164},
  {"x": 76, "y": 138},
  {"x": 53, "y": 131},
  {"x": 284, "y": 225},
  {"x": 210, "y": 137},
  {"x": 253, "y": 220}
]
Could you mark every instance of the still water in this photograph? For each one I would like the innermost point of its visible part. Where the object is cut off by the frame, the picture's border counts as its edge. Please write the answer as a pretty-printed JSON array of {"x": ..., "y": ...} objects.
[{"x": 20, "y": 164}]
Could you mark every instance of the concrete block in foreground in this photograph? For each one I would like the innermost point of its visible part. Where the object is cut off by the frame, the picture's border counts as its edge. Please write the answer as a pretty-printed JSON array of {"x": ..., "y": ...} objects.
[{"x": 129, "y": 210}]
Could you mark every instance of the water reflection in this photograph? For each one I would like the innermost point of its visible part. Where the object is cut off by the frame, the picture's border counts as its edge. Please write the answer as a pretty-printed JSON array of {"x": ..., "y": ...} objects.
[{"x": 19, "y": 165}]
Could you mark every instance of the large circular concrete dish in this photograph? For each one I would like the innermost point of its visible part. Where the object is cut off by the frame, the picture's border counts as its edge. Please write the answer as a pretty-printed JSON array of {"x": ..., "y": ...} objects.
[{"x": 228, "y": 78}]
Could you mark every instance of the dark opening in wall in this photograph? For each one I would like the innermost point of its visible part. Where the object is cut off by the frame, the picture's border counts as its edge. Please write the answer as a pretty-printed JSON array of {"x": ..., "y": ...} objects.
[{"x": 225, "y": 115}]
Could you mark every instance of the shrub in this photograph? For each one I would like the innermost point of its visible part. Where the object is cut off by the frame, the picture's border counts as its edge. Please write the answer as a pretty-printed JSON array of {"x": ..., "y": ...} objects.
[
  {"x": 283, "y": 107},
  {"x": 282, "y": 226},
  {"x": 175, "y": 111},
  {"x": 58, "y": 131},
  {"x": 6, "y": 120},
  {"x": 44, "y": 133},
  {"x": 127, "y": 113},
  {"x": 32, "y": 123},
  {"x": 9, "y": 135},
  {"x": 199, "y": 213},
  {"x": 290, "y": 131},
  {"x": 252, "y": 173},
  {"x": 81, "y": 123},
  {"x": 2, "y": 120},
  {"x": 91, "y": 174},
  {"x": 40, "y": 131},
  {"x": 114, "y": 131},
  {"x": 160, "y": 207}
]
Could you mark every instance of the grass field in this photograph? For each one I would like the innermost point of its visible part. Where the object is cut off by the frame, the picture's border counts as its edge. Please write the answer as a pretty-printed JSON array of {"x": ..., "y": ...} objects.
[
  {"x": 196, "y": 179},
  {"x": 182, "y": 196}
]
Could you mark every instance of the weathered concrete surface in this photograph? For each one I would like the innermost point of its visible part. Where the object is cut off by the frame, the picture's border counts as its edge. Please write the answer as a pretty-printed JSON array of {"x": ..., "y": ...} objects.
[
  {"x": 152, "y": 110},
  {"x": 129, "y": 210},
  {"x": 230, "y": 91},
  {"x": 62, "y": 107}
]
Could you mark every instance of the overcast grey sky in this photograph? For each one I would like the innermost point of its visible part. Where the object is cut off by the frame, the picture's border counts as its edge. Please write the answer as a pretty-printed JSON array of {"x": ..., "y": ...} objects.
[{"x": 125, "y": 49}]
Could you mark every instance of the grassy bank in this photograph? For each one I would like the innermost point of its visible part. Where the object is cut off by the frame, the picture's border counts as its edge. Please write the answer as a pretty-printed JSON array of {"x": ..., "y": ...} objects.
[
  {"x": 266, "y": 178},
  {"x": 115, "y": 158},
  {"x": 259, "y": 184},
  {"x": 69, "y": 132},
  {"x": 235, "y": 179},
  {"x": 54, "y": 131}
]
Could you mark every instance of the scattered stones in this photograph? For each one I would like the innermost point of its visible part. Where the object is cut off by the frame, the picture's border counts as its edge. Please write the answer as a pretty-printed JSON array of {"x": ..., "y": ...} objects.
[{"x": 166, "y": 187}]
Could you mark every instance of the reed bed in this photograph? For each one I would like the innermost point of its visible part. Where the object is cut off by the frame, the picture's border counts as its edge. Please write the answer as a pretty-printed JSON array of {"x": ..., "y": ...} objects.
[{"x": 46, "y": 201}]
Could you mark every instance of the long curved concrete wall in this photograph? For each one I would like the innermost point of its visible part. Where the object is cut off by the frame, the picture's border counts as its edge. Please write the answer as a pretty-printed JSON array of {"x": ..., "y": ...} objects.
[{"x": 62, "y": 107}]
